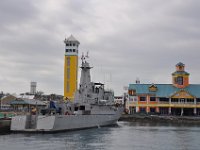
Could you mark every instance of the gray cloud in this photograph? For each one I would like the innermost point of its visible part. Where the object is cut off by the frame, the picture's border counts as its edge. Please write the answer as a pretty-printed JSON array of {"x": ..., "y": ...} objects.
[{"x": 126, "y": 40}]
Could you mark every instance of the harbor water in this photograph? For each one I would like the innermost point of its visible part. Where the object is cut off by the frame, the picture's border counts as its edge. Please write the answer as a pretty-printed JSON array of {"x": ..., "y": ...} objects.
[{"x": 125, "y": 136}]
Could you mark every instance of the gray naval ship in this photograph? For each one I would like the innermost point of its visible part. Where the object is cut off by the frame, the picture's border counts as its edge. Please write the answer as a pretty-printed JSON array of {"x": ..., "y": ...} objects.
[{"x": 93, "y": 106}]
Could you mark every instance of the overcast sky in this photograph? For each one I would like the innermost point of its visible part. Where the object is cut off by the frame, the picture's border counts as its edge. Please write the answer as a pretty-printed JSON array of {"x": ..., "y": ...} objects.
[{"x": 126, "y": 39}]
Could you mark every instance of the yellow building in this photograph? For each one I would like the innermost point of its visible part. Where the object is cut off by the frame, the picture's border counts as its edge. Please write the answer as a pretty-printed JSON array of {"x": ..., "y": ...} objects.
[{"x": 70, "y": 67}]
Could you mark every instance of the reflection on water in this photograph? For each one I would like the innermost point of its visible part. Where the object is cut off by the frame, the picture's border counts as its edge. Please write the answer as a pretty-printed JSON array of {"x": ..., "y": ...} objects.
[{"x": 127, "y": 136}]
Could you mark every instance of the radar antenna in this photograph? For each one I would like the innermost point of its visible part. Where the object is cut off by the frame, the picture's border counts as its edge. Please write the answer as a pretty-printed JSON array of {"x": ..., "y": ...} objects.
[{"x": 83, "y": 57}]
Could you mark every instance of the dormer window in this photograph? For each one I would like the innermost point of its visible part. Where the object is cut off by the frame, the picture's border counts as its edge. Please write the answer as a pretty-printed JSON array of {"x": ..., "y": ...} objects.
[
  {"x": 132, "y": 92},
  {"x": 152, "y": 88},
  {"x": 180, "y": 68}
]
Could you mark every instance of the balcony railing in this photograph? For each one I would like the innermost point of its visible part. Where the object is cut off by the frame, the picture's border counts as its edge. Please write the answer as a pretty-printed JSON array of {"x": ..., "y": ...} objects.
[
  {"x": 160, "y": 102},
  {"x": 167, "y": 104}
]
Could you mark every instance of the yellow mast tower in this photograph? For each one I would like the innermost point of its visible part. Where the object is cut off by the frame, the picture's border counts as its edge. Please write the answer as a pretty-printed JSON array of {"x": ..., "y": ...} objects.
[{"x": 70, "y": 67}]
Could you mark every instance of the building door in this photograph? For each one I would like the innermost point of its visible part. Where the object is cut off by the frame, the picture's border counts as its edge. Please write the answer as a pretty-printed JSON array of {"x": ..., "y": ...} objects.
[
  {"x": 188, "y": 111},
  {"x": 143, "y": 110},
  {"x": 176, "y": 111},
  {"x": 132, "y": 110},
  {"x": 198, "y": 111},
  {"x": 163, "y": 110}
]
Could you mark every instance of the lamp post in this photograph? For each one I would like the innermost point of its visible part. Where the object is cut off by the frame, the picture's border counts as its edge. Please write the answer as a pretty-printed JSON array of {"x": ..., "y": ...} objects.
[{"x": 1, "y": 104}]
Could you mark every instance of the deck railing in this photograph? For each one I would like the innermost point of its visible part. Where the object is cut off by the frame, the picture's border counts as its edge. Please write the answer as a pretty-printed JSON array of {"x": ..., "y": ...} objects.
[{"x": 167, "y": 104}]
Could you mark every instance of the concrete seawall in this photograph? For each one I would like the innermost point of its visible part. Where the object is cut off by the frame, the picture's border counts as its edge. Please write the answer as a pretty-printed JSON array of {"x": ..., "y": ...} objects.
[{"x": 158, "y": 118}]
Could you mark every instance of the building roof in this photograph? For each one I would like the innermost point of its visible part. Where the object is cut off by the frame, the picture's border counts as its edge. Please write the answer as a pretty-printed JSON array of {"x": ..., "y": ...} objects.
[
  {"x": 165, "y": 90},
  {"x": 180, "y": 64},
  {"x": 7, "y": 99},
  {"x": 27, "y": 102},
  {"x": 71, "y": 39}
]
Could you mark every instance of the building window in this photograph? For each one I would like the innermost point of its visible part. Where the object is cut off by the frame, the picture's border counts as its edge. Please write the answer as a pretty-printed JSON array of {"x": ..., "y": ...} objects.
[
  {"x": 68, "y": 61},
  {"x": 74, "y": 50},
  {"x": 198, "y": 100},
  {"x": 68, "y": 86},
  {"x": 182, "y": 100},
  {"x": 179, "y": 80},
  {"x": 131, "y": 92},
  {"x": 142, "y": 99},
  {"x": 152, "y": 99},
  {"x": 67, "y": 44},
  {"x": 152, "y": 88},
  {"x": 190, "y": 100},
  {"x": 68, "y": 73},
  {"x": 163, "y": 99},
  {"x": 180, "y": 68},
  {"x": 66, "y": 50},
  {"x": 174, "y": 100},
  {"x": 73, "y": 44}
]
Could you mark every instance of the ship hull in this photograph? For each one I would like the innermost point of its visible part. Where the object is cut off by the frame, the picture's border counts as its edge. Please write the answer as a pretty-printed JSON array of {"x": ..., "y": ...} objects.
[
  {"x": 59, "y": 123},
  {"x": 5, "y": 125}
]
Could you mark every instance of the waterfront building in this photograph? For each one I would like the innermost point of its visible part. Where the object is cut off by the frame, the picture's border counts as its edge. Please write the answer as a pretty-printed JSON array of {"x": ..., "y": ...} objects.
[
  {"x": 70, "y": 67},
  {"x": 5, "y": 102},
  {"x": 178, "y": 98},
  {"x": 25, "y": 105}
]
